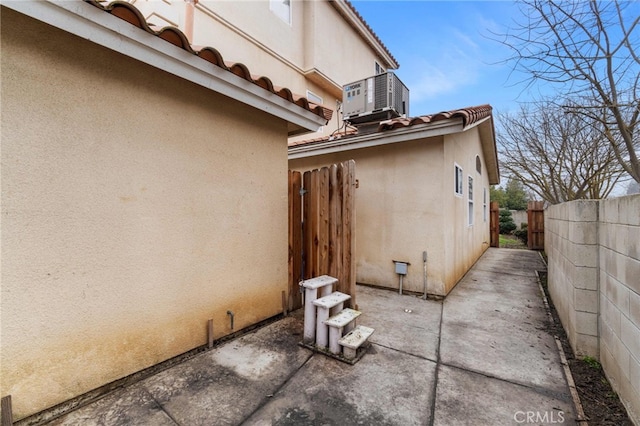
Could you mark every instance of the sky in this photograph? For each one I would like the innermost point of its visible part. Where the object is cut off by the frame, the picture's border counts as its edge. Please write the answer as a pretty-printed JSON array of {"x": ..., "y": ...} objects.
[{"x": 447, "y": 57}]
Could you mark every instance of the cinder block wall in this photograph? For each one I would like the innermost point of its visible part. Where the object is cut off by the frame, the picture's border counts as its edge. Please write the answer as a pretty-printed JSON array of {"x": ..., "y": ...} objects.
[
  {"x": 571, "y": 244},
  {"x": 620, "y": 298},
  {"x": 593, "y": 249}
]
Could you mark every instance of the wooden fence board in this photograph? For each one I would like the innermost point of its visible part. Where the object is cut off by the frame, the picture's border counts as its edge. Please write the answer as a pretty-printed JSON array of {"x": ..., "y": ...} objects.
[
  {"x": 535, "y": 225},
  {"x": 348, "y": 229},
  {"x": 321, "y": 228},
  {"x": 494, "y": 224},
  {"x": 295, "y": 240},
  {"x": 335, "y": 201}
]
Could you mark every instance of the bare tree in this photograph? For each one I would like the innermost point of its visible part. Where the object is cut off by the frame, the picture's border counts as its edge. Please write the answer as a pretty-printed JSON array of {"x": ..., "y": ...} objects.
[
  {"x": 556, "y": 155},
  {"x": 590, "y": 51}
]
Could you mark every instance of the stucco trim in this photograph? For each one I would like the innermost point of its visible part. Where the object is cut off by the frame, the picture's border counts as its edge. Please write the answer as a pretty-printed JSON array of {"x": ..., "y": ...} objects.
[{"x": 91, "y": 23}]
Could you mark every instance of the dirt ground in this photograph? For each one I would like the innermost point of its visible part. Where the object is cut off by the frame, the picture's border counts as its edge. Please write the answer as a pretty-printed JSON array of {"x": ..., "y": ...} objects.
[{"x": 600, "y": 403}]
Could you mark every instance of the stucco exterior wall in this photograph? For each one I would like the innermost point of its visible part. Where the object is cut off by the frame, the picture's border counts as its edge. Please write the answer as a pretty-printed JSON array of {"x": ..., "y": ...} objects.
[
  {"x": 406, "y": 204},
  {"x": 135, "y": 207},
  {"x": 398, "y": 211},
  {"x": 464, "y": 243},
  {"x": 249, "y": 32},
  {"x": 594, "y": 264}
]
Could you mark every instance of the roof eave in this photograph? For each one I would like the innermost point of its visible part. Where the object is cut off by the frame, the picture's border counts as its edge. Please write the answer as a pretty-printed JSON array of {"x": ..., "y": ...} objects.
[
  {"x": 489, "y": 150},
  {"x": 87, "y": 21},
  {"x": 421, "y": 131}
]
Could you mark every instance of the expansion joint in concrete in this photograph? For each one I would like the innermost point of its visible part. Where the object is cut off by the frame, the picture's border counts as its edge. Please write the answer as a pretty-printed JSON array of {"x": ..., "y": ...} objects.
[
  {"x": 434, "y": 389},
  {"x": 168, "y": 414},
  {"x": 403, "y": 352},
  {"x": 537, "y": 389},
  {"x": 282, "y": 385}
]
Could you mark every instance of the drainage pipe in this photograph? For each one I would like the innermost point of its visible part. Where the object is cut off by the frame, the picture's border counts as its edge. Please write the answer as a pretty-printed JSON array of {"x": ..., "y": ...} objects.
[{"x": 424, "y": 262}]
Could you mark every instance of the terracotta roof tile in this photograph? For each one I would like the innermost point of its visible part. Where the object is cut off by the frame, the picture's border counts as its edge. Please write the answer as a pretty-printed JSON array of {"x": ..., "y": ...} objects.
[
  {"x": 469, "y": 115},
  {"x": 132, "y": 15},
  {"x": 342, "y": 134}
]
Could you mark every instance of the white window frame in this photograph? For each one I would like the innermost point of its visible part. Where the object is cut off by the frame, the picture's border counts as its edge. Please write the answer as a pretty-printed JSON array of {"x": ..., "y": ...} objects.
[
  {"x": 470, "y": 199},
  {"x": 458, "y": 176},
  {"x": 282, "y": 9}
]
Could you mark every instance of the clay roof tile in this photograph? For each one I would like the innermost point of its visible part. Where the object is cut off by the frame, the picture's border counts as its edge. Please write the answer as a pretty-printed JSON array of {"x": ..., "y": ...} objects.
[{"x": 132, "y": 15}]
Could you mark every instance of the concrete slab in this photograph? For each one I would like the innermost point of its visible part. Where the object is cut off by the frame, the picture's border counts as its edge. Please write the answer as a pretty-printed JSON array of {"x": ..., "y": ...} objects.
[
  {"x": 494, "y": 322},
  {"x": 466, "y": 398},
  {"x": 384, "y": 388},
  {"x": 483, "y": 356},
  {"x": 129, "y": 406},
  {"x": 405, "y": 323},
  {"x": 229, "y": 382}
]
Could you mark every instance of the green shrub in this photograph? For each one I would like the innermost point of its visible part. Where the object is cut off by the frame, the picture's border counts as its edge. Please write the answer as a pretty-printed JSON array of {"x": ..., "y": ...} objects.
[
  {"x": 507, "y": 225},
  {"x": 522, "y": 234}
]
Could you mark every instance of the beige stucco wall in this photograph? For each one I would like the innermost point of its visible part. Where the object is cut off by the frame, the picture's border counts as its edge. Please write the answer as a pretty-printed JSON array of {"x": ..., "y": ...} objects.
[
  {"x": 464, "y": 243},
  {"x": 249, "y": 32},
  {"x": 593, "y": 247},
  {"x": 405, "y": 204},
  {"x": 135, "y": 207}
]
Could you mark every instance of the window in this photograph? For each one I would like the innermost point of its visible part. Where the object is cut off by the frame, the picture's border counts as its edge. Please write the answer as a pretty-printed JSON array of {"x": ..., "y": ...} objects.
[
  {"x": 470, "y": 200},
  {"x": 378, "y": 68},
  {"x": 484, "y": 205},
  {"x": 458, "y": 180},
  {"x": 478, "y": 165},
  {"x": 282, "y": 9}
]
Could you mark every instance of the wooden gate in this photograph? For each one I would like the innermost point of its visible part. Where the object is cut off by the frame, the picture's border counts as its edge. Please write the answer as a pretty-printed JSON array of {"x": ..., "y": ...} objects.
[
  {"x": 494, "y": 224},
  {"x": 535, "y": 226},
  {"x": 322, "y": 228}
]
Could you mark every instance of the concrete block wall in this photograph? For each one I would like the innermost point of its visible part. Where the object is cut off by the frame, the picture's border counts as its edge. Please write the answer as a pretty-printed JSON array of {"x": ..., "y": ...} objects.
[
  {"x": 571, "y": 244},
  {"x": 593, "y": 249},
  {"x": 519, "y": 217},
  {"x": 620, "y": 298}
]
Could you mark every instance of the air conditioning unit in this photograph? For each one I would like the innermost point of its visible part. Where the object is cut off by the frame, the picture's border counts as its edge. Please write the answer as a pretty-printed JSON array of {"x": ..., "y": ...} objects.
[{"x": 376, "y": 98}]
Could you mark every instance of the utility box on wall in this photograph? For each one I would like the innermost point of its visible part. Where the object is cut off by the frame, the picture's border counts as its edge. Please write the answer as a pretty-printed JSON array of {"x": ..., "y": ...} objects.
[
  {"x": 376, "y": 98},
  {"x": 401, "y": 267}
]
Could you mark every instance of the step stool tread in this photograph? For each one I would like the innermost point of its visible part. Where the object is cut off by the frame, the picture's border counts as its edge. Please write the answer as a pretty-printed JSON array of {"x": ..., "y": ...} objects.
[
  {"x": 317, "y": 282},
  {"x": 356, "y": 337},
  {"x": 331, "y": 300},
  {"x": 343, "y": 318}
]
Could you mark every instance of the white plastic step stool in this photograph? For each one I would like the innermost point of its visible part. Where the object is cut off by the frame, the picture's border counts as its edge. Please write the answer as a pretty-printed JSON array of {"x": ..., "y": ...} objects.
[
  {"x": 354, "y": 339},
  {"x": 325, "y": 284},
  {"x": 344, "y": 321},
  {"x": 324, "y": 304}
]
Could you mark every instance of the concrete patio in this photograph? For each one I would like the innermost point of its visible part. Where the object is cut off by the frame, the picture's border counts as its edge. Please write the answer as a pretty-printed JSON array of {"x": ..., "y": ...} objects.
[{"x": 482, "y": 356}]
